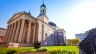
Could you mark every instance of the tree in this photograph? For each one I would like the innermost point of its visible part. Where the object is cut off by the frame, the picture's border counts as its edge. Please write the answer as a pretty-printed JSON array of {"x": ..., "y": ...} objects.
[{"x": 74, "y": 41}]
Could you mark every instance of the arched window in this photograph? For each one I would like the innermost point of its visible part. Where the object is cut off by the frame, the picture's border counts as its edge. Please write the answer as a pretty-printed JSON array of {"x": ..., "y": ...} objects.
[{"x": 43, "y": 11}]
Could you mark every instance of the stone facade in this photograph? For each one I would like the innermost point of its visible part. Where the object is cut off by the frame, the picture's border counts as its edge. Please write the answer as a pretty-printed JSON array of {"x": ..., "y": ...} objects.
[{"x": 23, "y": 30}]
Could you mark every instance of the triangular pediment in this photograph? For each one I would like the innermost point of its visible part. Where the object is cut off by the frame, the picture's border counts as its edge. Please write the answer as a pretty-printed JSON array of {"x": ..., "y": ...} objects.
[
  {"x": 16, "y": 15},
  {"x": 19, "y": 14}
]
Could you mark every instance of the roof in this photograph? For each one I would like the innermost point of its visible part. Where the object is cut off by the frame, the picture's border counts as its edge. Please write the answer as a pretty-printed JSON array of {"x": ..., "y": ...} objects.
[
  {"x": 52, "y": 24},
  {"x": 43, "y": 5},
  {"x": 2, "y": 28},
  {"x": 21, "y": 13}
]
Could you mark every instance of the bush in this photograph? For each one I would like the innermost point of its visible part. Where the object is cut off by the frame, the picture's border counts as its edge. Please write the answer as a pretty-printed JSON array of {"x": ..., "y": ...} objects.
[
  {"x": 61, "y": 52},
  {"x": 11, "y": 51},
  {"x": 44, "y": 49},
  {"x": 3, "y": 51},
  {"x": 7, "y": 51},
  {"x": 41, "y": 50},
  {"x": 37, "y": 45}
]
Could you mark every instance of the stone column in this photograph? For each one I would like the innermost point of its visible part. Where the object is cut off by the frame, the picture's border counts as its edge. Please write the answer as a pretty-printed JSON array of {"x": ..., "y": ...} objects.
[
  {"x": 34, "y": 33},
  {"x": 10, "y": 34},
  {"x": 13, "y": 33},
  {"x": 29, "y": 32},
  {"x": 5, "y": 37},
  {"x": 24, "y": 34},
  {"x": 31, "y": 38},
  {"x": 21, "y": 31},
  {"x": 17, "y": 31}
]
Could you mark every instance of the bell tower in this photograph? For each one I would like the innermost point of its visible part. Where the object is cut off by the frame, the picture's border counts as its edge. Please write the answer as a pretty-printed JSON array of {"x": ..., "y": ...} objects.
[
  {"x": 42, "y": 16},
  {"x": 43, "y": 9}
]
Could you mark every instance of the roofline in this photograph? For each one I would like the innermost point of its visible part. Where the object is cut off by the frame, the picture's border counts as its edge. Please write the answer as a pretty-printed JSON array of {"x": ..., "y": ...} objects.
[
  {"x": 3, "y": 28},
  {"x": 21, "y": 15}
]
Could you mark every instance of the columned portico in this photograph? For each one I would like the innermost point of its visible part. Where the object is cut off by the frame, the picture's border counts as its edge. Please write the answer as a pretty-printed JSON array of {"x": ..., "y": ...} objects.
[{"x": 21, "y": 31}]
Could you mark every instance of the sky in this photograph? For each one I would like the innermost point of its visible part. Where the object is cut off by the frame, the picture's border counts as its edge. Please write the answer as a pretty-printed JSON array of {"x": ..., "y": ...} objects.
[{"x": 74, "y": 16}]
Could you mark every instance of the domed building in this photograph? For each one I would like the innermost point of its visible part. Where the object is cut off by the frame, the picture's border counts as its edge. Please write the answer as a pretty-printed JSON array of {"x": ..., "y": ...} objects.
[{"x": 24, "y": 30}]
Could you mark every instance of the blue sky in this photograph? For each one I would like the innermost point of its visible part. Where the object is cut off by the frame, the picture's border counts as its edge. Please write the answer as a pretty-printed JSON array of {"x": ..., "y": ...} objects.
[{"x": 75, "y": 16}]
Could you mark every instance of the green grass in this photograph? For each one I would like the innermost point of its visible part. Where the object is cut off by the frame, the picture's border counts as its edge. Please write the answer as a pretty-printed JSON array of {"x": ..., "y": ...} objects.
[
  {"x": 50, "y": 48},
  {"x": 68, "y": 48}
]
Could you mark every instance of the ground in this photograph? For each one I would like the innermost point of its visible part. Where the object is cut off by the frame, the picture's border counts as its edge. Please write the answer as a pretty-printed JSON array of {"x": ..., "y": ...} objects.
[{"x": 50, "y": 48}]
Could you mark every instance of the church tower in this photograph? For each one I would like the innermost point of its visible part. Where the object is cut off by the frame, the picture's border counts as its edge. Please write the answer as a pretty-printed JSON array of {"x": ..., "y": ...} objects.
[
  {"x": 42, "y": 16},
  {"x": 43, "y": 9}
]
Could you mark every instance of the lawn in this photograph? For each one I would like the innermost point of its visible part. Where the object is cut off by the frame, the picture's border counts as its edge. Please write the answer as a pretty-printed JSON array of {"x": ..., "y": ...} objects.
[
  {"x": 68, "y": 48},
  {"x": 50, "y": 48}
]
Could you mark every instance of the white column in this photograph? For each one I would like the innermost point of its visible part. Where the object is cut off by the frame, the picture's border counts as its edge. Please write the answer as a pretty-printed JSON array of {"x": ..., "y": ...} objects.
[
  {"x": 24, "y": 34},
  {"x": 31, "y": 38},
  {"x": 10, "y": 34},
  {"x": 13, "y": 33},
  {"x": 29, "y": 32},
  {"x": 17, "y": 31},
  {"x": 21, "y": 31},
  {"x": 34, "y": 32}
]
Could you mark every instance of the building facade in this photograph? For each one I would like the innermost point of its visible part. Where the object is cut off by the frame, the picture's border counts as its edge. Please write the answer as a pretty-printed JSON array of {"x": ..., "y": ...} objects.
[
  {"x": 23, "y": 30},
  {"x": 81, "y": 36},
  {"x": 2, "y": 34}
]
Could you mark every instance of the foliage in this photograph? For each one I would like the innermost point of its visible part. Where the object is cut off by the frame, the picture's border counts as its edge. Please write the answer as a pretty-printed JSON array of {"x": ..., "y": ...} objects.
[
  {"x": 42, "y": 50},
  {"x": 15, "y": 50},
  {"x": 37, "y": 45},
  {"x": 66, "y": 48},
  {"x": 7, "y": 51},
  {"x": 10, "y": 51},
  {"x": 61, "y": 52},
  {"x": 74, "y": 41}
]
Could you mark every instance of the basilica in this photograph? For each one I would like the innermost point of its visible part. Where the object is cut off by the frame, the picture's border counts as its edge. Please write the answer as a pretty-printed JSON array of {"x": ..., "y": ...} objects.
[{"x": 24, "y": 30}]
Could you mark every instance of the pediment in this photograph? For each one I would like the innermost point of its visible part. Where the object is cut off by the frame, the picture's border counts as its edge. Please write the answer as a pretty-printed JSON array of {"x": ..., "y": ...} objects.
[
  {"x": 19, "y": 14},
  {"x": 14, "y": 17}
]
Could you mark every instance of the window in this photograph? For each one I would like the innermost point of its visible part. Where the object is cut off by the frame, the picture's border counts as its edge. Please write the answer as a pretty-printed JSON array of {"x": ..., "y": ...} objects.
[{"x": 43, "y": 11}]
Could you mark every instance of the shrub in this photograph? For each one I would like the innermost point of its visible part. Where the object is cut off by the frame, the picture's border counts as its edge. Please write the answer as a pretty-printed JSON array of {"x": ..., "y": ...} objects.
[
  {"x": 61, "y": 52},
  {"x": 41, "y": 50},
  {"x": 37, "y": 45},
  {"x": 44, "y": 49},
  {"x": 11, "y": 51}
]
